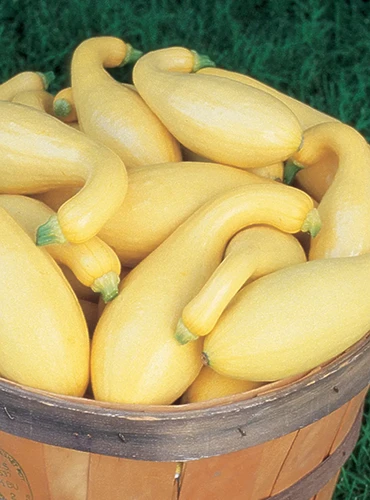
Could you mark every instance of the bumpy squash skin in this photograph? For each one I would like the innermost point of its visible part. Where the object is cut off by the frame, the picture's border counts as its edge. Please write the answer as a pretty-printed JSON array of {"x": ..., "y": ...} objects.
[
  {"x": 135, "y": 357},
  {"x": 43, "y": 335},
  {"x": 291, "y": 321},
  {"x": 250, "y": 254},
  {"x": 218, "y": 118},
  {"x": 159, "y": 198},
  {"x": 115, "y": 114},
  {"x": 64, "y": 107},
  {"x": 38, "y": 153},
  {"x": 345, "y": 207}
]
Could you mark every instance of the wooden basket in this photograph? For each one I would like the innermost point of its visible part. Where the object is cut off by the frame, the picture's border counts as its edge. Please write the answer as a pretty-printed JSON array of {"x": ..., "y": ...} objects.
[{"x": 285, "y": 441}]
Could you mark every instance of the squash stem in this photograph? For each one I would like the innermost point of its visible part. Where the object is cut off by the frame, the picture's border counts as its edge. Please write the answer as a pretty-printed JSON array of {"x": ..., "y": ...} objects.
[
  {"x": 62, "y": 107},
  {"x": 312, "y": 223},
  {"x": 290, "y": 171},
  {"x": 107, "y": 286},
  {"x": 50, "y": 232},
  {"x": 47, "y": 78},
  {"x": 183, "y": 335},
  {"x": 132, "y": 55},
  {"x": 201, "y": 61}
]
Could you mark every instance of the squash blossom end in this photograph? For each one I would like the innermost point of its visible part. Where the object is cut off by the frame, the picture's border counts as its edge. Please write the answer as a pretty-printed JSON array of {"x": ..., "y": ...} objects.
[
  {"x": 312, "y": 223},
  {"x": 62, "y": 107},
  {"x": 182, "y": 334}
]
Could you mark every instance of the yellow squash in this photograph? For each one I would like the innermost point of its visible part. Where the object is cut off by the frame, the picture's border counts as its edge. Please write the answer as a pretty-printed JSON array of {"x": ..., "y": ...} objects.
[
  {"x": 159, "y": 198},
  {"x": 274, "y": 172},
  {"x": 211, "y": 385},
  {"x": 113, "y": 113},
  {"x": 38, "y": 152},
  {"x": 82, "y": 292},
  {"x": 316, "y": 180},
  {"x": 27, "y": 80},
  {"x": 306, "y": 115},
  {"x": 218, "y": 118},
  {"x": 64, "y": 107},
  {"x": 74, "y": 125},
  {"x": 94, "y": 263},
  {"x": 135, "y": 357},
  {"x": 292, "y": 320},
  {"x": 38, "y": 99},
  {"x": 251, "y": 253},
  {"x": 43, "y": 335},
  {"x": 345, "y": 207}
]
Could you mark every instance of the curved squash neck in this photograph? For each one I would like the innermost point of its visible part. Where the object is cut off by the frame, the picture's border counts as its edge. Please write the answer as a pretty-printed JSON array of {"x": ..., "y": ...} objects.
[
  {"x": 171, "y": 60},
  {"x": 105, "y": 51},
  {"x": 207, "y": 232},
  {"x": 342, "y": 140},
  {"x": 90, "y": 60}
]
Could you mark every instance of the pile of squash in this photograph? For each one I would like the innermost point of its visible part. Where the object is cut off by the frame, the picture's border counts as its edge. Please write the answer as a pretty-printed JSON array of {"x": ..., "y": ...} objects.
[{"x": 192, "y": 235}]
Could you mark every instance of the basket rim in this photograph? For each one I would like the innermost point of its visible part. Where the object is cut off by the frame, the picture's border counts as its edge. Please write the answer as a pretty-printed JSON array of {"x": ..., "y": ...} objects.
[
  {"x": 249, "y": 399},
  {"x": 184, "y": 432}
]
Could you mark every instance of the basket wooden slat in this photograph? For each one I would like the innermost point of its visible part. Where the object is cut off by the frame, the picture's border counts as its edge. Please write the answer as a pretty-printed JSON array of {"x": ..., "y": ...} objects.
[
  {"x": 36, "y": 471},
  {"x": 67, "y": 472},
  {"x": 319, "y": 477},
  {"x": 111, "y": 477},
  {"x": 351, "y": 411},
  {"x": 219, "y": 473},
  {"x": 311, "y": 445},
  {"x": 266, "y": 469}
]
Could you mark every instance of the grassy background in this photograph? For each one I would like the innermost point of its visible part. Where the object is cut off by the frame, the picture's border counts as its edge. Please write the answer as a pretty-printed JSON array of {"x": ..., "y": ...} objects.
[{"x": 316, "y": 51}]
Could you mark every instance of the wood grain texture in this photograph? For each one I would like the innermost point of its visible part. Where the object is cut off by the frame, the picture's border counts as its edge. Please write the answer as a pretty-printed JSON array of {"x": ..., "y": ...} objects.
[
  {"x": 311, "y": 445},
  {"x": 184, "y": 432},
  {"x": 67, "y": 473},
  {"x": 119, "y": 478},
  {"x": 352, "y": 409},
  {"x": 319, "y": 477},
  {"x": 36, "y": 471},
  {"x": 22, "y": 469},
  {"x": 256, "y": 469}
]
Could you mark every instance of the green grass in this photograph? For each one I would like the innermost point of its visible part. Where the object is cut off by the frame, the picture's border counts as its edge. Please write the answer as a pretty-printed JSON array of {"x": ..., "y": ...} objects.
[{"x": 317, "y": 51}]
